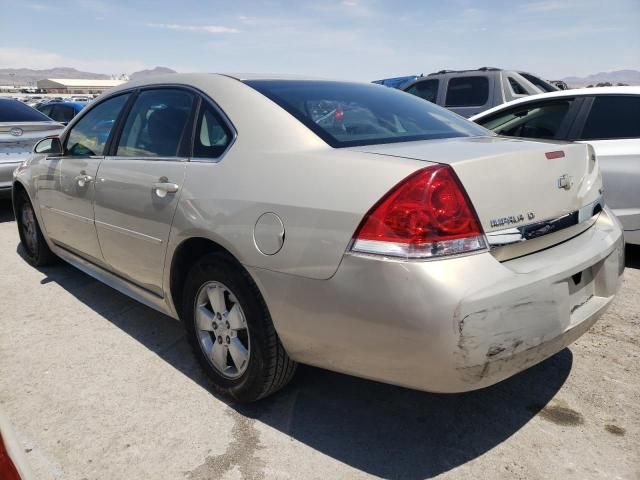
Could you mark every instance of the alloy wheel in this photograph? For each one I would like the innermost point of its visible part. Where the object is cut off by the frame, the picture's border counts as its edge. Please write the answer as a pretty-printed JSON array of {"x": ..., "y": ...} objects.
[{"x": 222, "y": 330}]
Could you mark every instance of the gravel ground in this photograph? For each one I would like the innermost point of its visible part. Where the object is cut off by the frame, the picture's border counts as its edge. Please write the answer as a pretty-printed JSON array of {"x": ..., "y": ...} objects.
[{"x": 100, "y": 387}]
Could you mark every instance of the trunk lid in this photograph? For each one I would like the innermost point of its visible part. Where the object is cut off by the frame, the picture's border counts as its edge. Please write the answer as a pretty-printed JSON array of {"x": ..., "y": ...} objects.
[
  {"x": 549, "y": 187},
  {"x": 17, "y": 139}
]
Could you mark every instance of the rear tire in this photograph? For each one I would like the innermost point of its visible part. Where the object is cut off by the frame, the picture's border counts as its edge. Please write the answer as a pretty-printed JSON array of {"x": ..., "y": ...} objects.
[
  {"x": 36, "y": 250},
  {"x": 230, "y": 331}
]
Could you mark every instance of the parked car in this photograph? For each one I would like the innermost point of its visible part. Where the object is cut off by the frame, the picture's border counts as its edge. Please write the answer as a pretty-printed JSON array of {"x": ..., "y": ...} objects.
[
  {"x": 344, "y": 225},
  {"x": 468, "y": 92},
  {"x": 607, "y": 118},
  {"x": 396, "y": 82},
  {"x": 13, "y": 463},
  {"x": 61, "y": 111},
  {"x": 20, "y": 128}
]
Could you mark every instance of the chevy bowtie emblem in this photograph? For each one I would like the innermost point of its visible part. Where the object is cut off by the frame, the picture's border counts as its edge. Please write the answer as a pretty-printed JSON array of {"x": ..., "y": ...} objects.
[{"x": 565, "y": 181}]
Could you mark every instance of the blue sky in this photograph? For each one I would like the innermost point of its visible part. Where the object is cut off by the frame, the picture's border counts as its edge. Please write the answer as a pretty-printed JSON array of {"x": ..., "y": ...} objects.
[{"x": 350, "y": 39}]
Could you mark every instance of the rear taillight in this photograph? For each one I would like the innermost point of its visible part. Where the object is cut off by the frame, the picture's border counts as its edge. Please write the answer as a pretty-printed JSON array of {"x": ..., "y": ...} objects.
[
  {"x": 8, "y": 470},
  {"x": 426, "y": 215}
]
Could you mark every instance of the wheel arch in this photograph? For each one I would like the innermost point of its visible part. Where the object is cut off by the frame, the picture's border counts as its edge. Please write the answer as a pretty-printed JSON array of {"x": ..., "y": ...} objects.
[{"x": 185, "y": 255}]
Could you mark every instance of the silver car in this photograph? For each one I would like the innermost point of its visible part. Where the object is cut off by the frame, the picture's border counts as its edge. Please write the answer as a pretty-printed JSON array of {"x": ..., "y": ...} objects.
[
  {"x": 20, "y": 128},
  {"x": 343, "y": 225},
  {"x": 607, "y": 118}
]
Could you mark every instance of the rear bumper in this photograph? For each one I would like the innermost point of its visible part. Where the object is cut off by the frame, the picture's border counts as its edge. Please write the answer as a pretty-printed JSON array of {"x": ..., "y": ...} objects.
[{"x": 449, "y": 325}]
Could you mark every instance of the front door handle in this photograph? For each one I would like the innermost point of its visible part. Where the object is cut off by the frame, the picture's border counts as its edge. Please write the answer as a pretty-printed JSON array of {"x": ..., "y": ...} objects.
[
  {"x": 83, "y": 179},
  {"x": 163, "y": 188}
]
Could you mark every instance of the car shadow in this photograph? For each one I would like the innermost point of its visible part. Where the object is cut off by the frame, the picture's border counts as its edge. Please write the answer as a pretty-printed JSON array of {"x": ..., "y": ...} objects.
[
  {"x": 632, "y": 256},
  {"x": 387, "y": 431},
  {"x": 6, "y": 211}
]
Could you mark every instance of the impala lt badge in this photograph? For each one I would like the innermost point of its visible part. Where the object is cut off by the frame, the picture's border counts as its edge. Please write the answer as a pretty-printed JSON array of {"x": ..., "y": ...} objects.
[
  {"x": 565, "y": 181},
  {"x": 511, "y": 219}
]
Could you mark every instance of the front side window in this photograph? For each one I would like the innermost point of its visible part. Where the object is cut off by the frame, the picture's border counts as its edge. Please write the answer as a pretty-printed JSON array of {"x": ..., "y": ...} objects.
[
  {"x": 467, "y": 92},
  {"x": 212, "y": 135},
  {"x": 529, "y": 121},
  {"x": 350, "y": 114},
  {"x": 156, "y": 123},
  {"x": 613, "y": 116},
  {"x": 426, "y": 89},
  {"x": 89, "y": 136}
]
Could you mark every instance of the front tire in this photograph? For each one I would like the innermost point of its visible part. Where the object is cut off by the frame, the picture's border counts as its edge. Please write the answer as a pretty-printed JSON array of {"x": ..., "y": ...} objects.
[
  {"x": 36, "y": 250},
  {"x": 231, "y": 332}
]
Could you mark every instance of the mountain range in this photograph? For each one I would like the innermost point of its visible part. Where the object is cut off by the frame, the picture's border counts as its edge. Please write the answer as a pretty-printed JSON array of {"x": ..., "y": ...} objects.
[
  {"x": 22, "y": 76},
  {"x": 27, "y": 76},
  {"x": 630, "y": 77}
]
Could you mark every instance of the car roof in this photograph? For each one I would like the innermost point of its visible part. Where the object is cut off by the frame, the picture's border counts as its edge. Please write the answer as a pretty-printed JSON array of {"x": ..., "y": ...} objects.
[
  {"x": 632, "y": 90},
  {"x": 79, "y": 105}
]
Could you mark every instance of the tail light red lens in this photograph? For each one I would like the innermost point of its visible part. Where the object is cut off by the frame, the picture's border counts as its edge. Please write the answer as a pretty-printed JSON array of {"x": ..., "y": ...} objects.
[
  {"x": 8, "y": 470},
  {"x": 427, "y": 214}
]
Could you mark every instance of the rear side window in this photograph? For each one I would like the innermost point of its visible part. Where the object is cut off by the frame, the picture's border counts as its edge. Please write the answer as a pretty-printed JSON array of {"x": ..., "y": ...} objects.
[
  {"x": 351, "y": 114},
  {"x": 516, "y": 88},
  {"x": 426, "y": 89},
  {"x": 89, "y": 136},
  {"x": 156, "y": 123},
  {"x": 16, "y": 111},
  {"x": 62, "y": 113},
  {"x": 212, "y": 135},
  {"x": 46, "y": 110},
  {"x": 467, "y": 92},
  {"x": 530, "y": 121},
  {"x": 614, "y": 116}
]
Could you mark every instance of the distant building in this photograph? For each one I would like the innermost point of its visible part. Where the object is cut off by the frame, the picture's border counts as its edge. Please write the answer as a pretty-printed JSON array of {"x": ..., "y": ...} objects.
[{"x": 76, "y": 85}]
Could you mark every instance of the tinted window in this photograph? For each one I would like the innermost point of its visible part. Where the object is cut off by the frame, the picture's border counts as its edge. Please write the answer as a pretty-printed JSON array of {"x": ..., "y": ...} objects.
[
  {"x": 16, "y": 111},
  {"x": 516, "y": 88},
  {"x": 349, "y": 114},
  {"x": 529, "y": 121},
  {"x": 467, "y": 92},
  {"x": 426, "y": 89},
  {"x": 538, "y": 82},
  {"x": 62, "y": 113},
  {"x": 46, "y": 109},
  {"x": 212, "y": 135},
  {"x": 155, "y": 124},
  {"x": 613, "y": 117},
  {"x": 90, "y": 134}
]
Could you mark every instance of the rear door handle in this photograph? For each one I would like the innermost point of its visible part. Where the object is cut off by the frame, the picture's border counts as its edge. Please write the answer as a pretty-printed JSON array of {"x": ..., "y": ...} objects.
[{"x": 163, "y": 188}]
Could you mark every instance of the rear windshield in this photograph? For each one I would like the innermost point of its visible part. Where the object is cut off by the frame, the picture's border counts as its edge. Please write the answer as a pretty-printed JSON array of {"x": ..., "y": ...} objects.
[
  {"x": 16, "y": 111},
  {"x": 351, "y": 114}
]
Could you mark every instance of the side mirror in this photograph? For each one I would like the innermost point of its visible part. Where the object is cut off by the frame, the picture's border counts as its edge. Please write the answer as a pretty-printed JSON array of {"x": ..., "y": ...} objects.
[{"x": 49, "y": 146}]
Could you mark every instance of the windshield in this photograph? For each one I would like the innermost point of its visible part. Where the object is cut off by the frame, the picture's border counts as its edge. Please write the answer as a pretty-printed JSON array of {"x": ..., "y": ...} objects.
[
  {"x": 351, "y": 114},
  {"x": 16, "y": 111}
]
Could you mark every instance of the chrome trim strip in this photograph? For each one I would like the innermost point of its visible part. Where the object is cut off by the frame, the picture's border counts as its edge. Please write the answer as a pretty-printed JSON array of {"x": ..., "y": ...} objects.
[
  {"x": 509, "y": 236},
  {"x": 130, "y": 233},
  {"x": 80, "y": 218}
]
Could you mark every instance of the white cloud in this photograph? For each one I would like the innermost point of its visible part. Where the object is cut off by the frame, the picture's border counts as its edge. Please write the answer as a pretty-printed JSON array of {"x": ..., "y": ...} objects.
[{"x": 194, "y": 28}]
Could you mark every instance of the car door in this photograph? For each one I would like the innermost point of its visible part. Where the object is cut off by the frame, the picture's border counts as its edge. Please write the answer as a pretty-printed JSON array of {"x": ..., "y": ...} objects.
[
  {"x": 612, "y": 126},
  {"x": 547, "y": 119},
  {"x": 139, "y": 184},
  {"x": 66, "y": 191}
]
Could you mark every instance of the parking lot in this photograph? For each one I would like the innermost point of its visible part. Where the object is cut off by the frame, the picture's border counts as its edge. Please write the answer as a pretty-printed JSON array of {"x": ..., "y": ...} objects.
[{"x": 98, "y": 386}]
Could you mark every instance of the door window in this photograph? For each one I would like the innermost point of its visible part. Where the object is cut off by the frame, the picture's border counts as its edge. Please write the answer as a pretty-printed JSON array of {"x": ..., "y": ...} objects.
[
  {"x": 212, "y": 135},
  {"x": 427, "y": 89},
  {"x": 156, "y": 123},
  {"x": 89, "y": 136},
  {"x": 62, "y": 113},
  {"x": 529, "y": 121},
  {"x": 467, "y": 92},
  {"x": 516, "y": 88},
  {"x": 613, "y": 116},
  {"x": 46, "y": 110}
]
